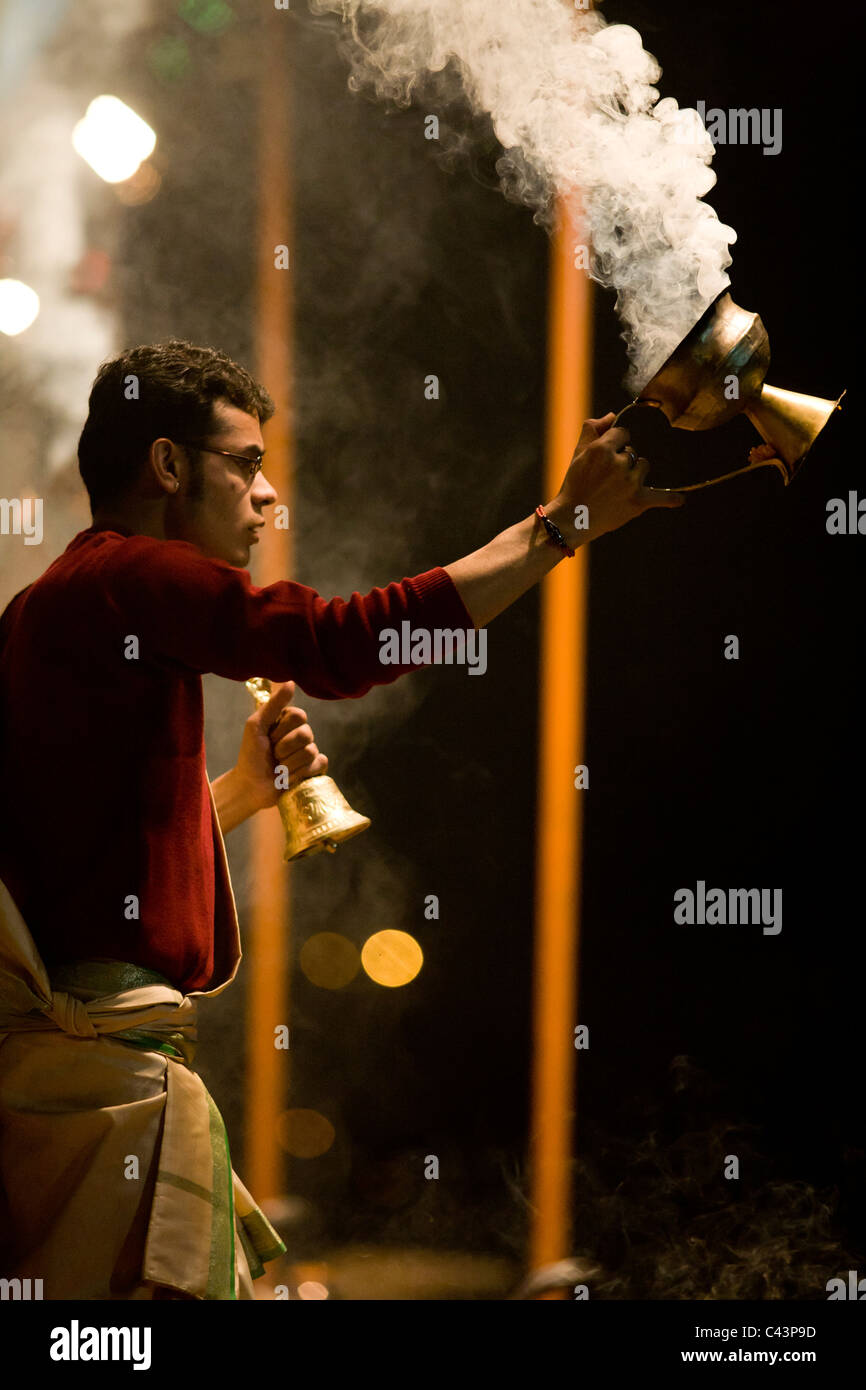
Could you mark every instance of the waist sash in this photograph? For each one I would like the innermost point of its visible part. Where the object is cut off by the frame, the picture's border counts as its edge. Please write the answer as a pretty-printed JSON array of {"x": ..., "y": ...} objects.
[{"x": 199, "y": 1202}]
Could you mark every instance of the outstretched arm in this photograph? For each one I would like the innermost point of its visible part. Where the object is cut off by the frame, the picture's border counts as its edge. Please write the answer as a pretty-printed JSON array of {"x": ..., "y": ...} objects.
[
  {"x": 205, "y": 615},
  {"x": 602, "y": 478}
]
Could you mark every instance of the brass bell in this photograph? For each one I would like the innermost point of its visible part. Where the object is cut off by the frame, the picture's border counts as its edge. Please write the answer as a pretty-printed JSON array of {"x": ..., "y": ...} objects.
[{"x": 315, "y": 814}]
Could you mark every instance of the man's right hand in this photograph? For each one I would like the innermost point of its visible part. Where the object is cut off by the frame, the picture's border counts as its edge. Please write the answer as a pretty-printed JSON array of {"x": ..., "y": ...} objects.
[{"x": 602, "y": 478}]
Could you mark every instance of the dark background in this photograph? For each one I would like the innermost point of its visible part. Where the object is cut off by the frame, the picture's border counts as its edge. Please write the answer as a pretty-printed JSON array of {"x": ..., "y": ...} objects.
[{"x": 743, "y": 773}]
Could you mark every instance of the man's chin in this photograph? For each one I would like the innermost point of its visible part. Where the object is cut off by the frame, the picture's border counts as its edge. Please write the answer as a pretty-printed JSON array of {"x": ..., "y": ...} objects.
[{"x": 237, "y": 556}]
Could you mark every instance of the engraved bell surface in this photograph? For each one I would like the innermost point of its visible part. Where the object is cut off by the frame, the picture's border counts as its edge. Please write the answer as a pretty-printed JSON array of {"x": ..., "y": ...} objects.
[{"x": 316, "y": 816}]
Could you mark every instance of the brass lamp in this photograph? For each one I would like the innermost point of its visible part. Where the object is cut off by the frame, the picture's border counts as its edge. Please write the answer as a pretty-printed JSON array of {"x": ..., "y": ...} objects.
[{"x": 718, "y": 372}]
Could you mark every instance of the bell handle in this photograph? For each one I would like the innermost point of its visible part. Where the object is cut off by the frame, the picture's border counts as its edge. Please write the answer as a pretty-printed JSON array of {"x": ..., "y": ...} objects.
[
  {"x": 710, "y": 482},
  {"x": 260, "y": 689}
]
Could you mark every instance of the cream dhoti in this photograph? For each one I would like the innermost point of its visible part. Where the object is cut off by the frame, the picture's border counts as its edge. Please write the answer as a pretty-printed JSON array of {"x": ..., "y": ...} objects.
[{"x": 115, "y": 1174}]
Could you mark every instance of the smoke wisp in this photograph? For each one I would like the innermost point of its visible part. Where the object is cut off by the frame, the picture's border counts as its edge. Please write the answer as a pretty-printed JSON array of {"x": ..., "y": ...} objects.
[{"x": 573, "y": 103}]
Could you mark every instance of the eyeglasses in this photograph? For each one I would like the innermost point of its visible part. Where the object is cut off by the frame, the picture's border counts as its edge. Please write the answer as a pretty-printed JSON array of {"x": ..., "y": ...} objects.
[{"x": 253, "y": 464}]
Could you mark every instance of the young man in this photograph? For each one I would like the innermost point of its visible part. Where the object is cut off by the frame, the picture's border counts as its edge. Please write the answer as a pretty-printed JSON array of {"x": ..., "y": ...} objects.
[{"x": 116, "y": 910}]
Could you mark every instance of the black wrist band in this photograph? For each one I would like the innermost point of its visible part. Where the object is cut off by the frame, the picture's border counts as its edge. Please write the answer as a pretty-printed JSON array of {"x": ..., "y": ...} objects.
[{"x": 554, "y": 532}]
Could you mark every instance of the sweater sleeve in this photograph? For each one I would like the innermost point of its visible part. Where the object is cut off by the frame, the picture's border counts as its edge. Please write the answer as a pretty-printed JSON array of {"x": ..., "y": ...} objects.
[{"x": 208, "y": 616}]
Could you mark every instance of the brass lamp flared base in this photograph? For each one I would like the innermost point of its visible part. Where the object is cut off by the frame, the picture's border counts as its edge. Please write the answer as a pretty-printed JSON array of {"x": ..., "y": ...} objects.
[{"x": 790, "y": 421}]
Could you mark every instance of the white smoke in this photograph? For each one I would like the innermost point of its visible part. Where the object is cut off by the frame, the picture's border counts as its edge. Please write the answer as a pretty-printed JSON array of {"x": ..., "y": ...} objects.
[{"x": 572, "y": 102}]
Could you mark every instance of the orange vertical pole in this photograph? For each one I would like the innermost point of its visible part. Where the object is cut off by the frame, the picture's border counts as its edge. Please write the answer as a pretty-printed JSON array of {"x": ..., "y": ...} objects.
[
  {"x": 269, "y": 916},
  {"x": 559, "y": 824}
]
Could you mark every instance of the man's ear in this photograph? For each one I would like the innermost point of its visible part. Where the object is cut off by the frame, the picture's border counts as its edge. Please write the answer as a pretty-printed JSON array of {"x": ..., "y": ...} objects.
[{"x": 163, "y": 464}]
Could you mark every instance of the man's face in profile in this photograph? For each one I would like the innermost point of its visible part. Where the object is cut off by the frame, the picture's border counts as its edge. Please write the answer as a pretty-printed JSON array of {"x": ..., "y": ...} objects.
[{"x": 222, "y": 511}]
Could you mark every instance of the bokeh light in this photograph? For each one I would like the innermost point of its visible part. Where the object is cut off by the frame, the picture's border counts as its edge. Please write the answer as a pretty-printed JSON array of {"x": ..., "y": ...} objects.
[
  {"x": 392, "y": 958},
  {"x": 140, "y": 188},
  {"x": 113, "y": 139},
  {"x": 206, "y": 16},
  {"x": 305, "y": 1133},
  {"x": 329, "y": 960},
  {"x": 312, "y": 1290},
  {"x": 169, "y": 58},
  {"x": 19, "y": 306}
]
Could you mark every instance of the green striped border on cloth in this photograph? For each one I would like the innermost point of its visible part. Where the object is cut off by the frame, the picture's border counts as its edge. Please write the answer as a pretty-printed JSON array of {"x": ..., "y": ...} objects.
[{"x": 258, "y": 1237}]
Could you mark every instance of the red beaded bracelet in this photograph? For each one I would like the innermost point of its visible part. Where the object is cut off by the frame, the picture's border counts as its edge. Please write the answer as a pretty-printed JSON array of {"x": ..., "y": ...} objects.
[{"x": 554, "y": 532}]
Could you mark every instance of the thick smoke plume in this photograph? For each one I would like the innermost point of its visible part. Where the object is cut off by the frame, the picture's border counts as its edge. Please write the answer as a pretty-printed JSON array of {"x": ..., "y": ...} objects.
[{"x": 572, "y": 102}]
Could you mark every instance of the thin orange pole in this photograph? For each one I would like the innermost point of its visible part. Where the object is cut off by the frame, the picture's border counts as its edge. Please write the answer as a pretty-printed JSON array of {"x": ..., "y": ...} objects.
[
  {"x": 559, "y": 825},
  {"x": 269, "y": 916}
]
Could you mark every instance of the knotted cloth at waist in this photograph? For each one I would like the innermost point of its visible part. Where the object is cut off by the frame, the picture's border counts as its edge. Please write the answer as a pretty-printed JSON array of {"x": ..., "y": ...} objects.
[
  {"x": 94, "y": 998},
  {"x": 198, "y": 1202}
]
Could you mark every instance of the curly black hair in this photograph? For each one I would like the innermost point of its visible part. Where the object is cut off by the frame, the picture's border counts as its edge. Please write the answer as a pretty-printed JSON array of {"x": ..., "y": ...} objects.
[{"x": 160, "y": 390}]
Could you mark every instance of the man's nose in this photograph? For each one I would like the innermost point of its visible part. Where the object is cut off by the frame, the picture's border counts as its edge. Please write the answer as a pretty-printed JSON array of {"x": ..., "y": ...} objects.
[{"x": 262, "y": 493}]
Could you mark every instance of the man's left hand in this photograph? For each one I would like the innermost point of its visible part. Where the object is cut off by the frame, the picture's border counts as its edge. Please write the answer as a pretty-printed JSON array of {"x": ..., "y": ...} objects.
[{"x": 277, "y": 734}]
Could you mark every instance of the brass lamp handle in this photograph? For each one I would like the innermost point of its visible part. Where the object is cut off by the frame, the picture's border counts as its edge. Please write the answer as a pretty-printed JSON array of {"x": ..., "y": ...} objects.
[{"x": 710, "y": 482}]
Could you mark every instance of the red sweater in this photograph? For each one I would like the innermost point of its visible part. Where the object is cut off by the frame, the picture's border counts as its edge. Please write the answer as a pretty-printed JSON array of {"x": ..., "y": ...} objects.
[{"x": 103, "y": 788}]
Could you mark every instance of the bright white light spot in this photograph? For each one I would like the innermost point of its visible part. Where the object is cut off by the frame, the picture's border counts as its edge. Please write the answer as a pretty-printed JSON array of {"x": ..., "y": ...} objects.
[
  {"x": 112, "y": 139},
  {"x": 19, "y": 306}
]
